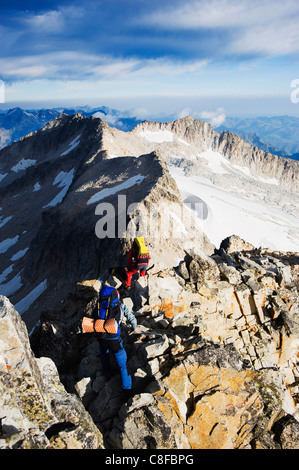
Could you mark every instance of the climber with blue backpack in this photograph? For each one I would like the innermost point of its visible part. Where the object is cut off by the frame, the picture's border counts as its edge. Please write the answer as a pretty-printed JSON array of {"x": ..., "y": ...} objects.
[{"x": 110, "y": 314}]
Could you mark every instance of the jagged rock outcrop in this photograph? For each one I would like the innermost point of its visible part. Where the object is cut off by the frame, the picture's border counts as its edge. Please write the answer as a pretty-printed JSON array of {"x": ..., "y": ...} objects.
[
  {"x": 36, "y": 411},
  {"x": 206, "y": 401},
  {"x": 202, "y": 135},
  {"x": 218, "y": 371}
]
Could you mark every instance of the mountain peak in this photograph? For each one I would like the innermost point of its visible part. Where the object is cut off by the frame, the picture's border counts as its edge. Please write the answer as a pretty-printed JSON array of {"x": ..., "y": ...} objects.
[
  {"x": 76, "y": 161},
  {"x": 74, "y": 195},
  {"x": 66, "y": 169}
]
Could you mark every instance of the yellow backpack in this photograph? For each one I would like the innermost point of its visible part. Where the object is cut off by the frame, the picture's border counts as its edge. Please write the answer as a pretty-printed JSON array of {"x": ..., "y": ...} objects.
[
  {"x": 140, "y": 243},
  {"x": 141, "y": 255}
]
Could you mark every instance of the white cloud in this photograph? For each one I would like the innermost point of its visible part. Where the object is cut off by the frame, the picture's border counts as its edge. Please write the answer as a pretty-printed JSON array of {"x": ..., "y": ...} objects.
[
  {"x": 76, "y": 65},
  {"x": 251, "y": 26},
  {"x": 112, "y": 68},
  {"x": 184, "y": 113},
  {"x": 27, "y": 67},
  {"x": 139, "y": 113},
  {"x": 53, "y": 21},
  {"x": 215, "y": 118},
  {"x": 171, "y": 67},
  {"x": 224, "y": 13},
  {"x": 269, "y": 40}
]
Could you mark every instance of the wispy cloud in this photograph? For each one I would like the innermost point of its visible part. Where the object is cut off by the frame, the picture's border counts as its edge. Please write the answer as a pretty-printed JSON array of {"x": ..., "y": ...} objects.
[
  {"x": 63, "y": 65},
  {"x": 71, "y": 65},
  {"x": 181, "y": 48},
  {"x": 195, "y": 14},
  {"x": 53, "y": 21},
  {"x": 273, "y": 40},
  {"x": 215, "y": 117},
  {"x": 251, "y": 26}
]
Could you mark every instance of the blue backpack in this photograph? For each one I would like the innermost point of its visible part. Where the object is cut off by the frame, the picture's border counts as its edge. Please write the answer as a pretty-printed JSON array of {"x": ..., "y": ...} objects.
[{"x": 109, "y": 307}]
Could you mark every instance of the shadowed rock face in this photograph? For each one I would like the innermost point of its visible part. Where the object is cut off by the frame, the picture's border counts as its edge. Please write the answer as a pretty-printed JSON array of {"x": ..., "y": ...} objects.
[
  {"x": 36, "y": 411},
  {"x": 221, "y": 373},
  {"x": 49, "y": 203},
  {"x": 49, "y": 188},
  {"x": 214, "y": 360}
]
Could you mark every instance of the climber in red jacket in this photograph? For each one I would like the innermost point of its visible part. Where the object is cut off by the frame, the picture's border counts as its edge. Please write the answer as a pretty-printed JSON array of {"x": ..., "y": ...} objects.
[{"x": 138, "y": 259}]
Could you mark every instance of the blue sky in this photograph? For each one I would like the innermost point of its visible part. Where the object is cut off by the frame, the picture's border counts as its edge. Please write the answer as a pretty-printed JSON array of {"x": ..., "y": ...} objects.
[{"x": 152, "y": 56}]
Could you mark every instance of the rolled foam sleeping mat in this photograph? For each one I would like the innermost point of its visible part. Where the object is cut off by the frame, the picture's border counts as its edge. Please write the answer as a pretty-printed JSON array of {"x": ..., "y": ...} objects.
[{"x": 90, "y": 325}]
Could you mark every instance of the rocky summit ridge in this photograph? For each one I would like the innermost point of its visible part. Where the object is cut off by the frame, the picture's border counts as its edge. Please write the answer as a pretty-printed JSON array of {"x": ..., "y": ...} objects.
[
  {"x": 214, "y": 360},
  {"x": 202, "y": 135},
  {"x": 49, "y": 192}
]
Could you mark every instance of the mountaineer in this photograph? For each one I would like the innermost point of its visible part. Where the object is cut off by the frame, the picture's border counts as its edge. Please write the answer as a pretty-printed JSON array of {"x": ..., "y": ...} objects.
[
  {"x": 138, "y": 259},
  {"x": 110, "y": 309}
]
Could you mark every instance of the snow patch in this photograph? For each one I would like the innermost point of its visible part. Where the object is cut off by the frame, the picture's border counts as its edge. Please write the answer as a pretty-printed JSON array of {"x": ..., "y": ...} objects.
[
  {"x": 19, "y": 254},
  {"x": 2, "y": 176},
  {"x": 11, "y": 286},
  {"x": 37, "y": 187},
  {"x": 23, "y": 164},
  {"x": 62, "y": 180},
  {"x": 4, "y": 221},
  {"x": 180, "y": 227},
  {"x": 23, "y": 305},
  {"x": 246, "y": 171},
  {"x": 216, "y": 161},
  {"x": 157, "y": 136},
  {"x": 5, "y": 273},
  {"x": 182, "y": 141},
  {"x": 267, "y": 180},
  {"x": 6, "y": 244},
  {"x": 218, "y": 164},
  {"x": 72, "y": 145},
  {"x": 115, "y": 189}
]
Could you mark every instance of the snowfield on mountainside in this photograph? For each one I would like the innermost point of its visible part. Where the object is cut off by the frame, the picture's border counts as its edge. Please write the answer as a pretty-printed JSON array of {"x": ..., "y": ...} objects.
[
  {"x": 230, "y": 198},
  {"x": 232, "y": 211}
]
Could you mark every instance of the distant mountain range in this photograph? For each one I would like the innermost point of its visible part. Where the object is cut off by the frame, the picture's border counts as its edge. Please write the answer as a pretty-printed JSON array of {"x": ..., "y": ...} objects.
[
  {"x": 278, "y": 135},
  {"x": 16, "y": 122}
]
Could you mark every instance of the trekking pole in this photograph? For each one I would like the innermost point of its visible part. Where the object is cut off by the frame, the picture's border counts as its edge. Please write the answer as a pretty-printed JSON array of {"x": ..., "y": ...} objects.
[
  {"x": 147, "y": 276},
  {"x": 150, "y": 268}
]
